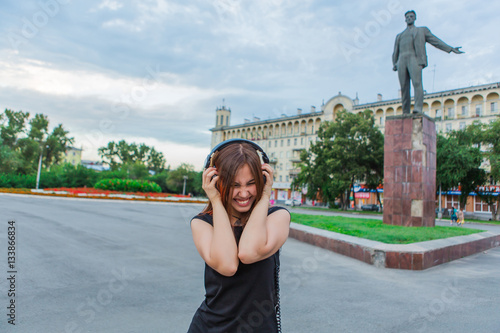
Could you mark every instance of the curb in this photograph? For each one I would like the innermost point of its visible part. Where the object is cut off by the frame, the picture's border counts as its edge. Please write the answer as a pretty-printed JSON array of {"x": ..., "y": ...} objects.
[
  {"x": 113, "y": 197},
  {"x": 415, "y": 256}
]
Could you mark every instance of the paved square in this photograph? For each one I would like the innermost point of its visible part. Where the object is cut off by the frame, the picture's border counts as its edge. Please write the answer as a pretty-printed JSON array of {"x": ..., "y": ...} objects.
[{"x": 121, "y": 266}]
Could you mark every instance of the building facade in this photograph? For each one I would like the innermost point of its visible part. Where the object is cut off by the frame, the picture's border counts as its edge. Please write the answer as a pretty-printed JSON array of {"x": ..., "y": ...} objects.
[
  {"x": 73, "y": 156},
  {"x": 285, "y": 137}
]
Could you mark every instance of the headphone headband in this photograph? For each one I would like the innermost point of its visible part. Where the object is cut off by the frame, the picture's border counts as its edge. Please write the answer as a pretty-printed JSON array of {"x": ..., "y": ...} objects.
[{"x": 226, "y": 143}]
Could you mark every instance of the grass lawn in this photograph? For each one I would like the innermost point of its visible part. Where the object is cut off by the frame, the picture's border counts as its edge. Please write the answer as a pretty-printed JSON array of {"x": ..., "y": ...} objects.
[
  {"x": 340, "y": 210},
  {"x": 378, "y": 231},
  {"x": 377, "y": 213}
]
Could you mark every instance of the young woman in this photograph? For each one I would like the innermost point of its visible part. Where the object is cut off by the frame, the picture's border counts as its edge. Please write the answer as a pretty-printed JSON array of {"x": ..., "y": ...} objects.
[{"x": 239, "y": 237}]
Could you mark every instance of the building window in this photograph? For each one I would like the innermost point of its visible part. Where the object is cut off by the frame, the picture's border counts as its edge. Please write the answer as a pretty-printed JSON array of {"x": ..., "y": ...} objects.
[
  {"x": 465, "y": 111},
  {"x": 381, "y": 121},
  {"x": 281, "y": 168},
  {"x": 281, "y": 178},
  {"x": 481, "y": 206},
  {"x": 281, "y": 154},
  {"x": 451, "y": 113},
  {"x": 448, "y": 127},
  {"x": 452, "y": 201},
  {"x": 462, "y": 125},
  {"x": 438, "y": 113},
  {"x": 478, "y": 110},
  {"x": 295, "y": 141},
  {"x": 227, "y": 120},
  {"x": 494, "y": 107},
  {"x": 288, "y": 143},
  {"x": 301, "y": 141},
  {"x": 275, "y": 143},
  {"x": 288, "y": 154},
  {"x": 287, "y": 178},
  {"x": 221, "y": 119},
  {"x": 281, "y": 143}
]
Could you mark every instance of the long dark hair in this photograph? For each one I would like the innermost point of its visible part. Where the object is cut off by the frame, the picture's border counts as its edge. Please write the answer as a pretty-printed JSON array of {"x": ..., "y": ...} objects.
[{"x": 227, "y": 162}]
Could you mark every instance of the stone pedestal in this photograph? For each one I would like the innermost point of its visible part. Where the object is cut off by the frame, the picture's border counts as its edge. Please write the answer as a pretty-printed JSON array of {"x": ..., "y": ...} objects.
[{"x": 410, "y": 170}]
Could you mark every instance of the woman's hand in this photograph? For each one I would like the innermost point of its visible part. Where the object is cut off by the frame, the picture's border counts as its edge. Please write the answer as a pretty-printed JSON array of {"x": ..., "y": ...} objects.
[
  {"x": 209, "y": 180},
  {"x": 268, "y": 171}
]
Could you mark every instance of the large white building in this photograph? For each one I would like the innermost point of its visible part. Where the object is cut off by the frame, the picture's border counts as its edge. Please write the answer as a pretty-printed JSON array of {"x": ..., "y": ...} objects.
[{"x": 283, "y": 138}]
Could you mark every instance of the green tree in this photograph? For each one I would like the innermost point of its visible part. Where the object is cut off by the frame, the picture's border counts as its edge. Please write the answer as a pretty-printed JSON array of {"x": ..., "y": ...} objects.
[
  {"x": 491, "y": 138},
  {"x": 122, "y": 153},
  {"x": 12, "y": 125},
  {"x": 459, "y": 161},
  {"x": 349, "y": 149},
  {"x": 175, "y": 180},
  {"x": 23, "y": 139}
]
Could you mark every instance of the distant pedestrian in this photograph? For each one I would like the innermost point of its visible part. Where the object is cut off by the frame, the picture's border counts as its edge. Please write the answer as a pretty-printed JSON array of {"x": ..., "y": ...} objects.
[
  {"x": 239, "y": 236},
  {"x": 461, "y": 218},
  {"x": 453, "y": 216}
]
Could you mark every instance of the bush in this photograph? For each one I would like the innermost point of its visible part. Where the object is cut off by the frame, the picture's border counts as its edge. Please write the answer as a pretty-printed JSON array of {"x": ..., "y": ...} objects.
[
  {"x": 65, "y": 175},
  {"x": 9, "y": 180},
  {"x": 127, "y": 185},
  {"x": 161, "y": 179}
]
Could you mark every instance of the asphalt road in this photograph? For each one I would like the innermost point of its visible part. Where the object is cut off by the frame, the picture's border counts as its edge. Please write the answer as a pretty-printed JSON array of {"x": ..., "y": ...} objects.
[{"x": 118, "y": 266}]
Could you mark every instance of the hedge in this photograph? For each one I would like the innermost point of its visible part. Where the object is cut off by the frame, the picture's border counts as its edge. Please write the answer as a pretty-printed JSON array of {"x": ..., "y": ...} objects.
[{"x": 127, "y": 185}]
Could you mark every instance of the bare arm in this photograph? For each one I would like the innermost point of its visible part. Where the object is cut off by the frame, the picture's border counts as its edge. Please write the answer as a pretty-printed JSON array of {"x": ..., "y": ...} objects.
[
  {"x": 263, "y": 235},
  {"x": 216, "y": 244}
]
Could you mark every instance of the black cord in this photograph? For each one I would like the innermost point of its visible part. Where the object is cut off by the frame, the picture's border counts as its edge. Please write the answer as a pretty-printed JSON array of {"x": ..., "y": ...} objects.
[{"x": 277, "y": 282}]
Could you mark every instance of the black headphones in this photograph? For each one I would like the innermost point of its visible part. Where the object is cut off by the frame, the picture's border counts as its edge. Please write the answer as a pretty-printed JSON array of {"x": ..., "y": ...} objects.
[{"x": 223, "y": 144}]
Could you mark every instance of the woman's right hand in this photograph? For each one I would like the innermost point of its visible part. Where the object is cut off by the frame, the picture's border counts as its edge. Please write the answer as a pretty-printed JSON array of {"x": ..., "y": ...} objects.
[{"x": 209, "y": 181}]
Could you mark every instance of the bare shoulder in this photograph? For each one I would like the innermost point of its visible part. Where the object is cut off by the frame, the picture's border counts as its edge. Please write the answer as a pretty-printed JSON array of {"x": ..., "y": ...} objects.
[
  {"x": 200, "y": 224},
  {"x": 279, "y": 210},
  {"x": 280, "y": 215}
]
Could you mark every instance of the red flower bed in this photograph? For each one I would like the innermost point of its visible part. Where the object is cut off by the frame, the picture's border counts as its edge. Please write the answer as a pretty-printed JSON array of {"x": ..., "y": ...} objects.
[{"x": 90, "y": 191}]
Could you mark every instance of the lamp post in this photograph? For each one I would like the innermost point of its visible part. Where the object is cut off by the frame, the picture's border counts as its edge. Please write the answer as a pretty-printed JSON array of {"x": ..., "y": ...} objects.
[
  {"x": 440, "y": 213},
  {"x": 39, "y": 166},
  {"x": 184, "y": 186}
]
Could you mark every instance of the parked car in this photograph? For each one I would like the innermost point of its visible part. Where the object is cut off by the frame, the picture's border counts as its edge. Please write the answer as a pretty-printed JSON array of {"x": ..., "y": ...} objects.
[
  {"x": 292, "y": 202},
  {"x": 370, "y": 207},
  {"x": 445, "y": 212}
]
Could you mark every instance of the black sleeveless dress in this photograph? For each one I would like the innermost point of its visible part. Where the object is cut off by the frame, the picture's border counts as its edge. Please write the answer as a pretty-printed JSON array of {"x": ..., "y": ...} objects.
[{"x": 244, "y": 302}]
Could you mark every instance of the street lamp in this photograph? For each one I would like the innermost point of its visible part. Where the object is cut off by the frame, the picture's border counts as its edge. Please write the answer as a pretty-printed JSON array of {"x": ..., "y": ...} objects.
[
  {"x": 184, "y": 187},
  {"x": 40, "y": 166}
]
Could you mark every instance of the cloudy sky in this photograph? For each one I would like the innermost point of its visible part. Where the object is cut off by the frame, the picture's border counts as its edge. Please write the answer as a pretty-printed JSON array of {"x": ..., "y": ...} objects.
[{"x": 154, "y": 71}]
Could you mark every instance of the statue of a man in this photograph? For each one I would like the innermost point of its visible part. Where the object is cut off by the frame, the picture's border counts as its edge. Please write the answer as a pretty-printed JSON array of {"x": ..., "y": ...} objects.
[{"x": 409, "y": 58}]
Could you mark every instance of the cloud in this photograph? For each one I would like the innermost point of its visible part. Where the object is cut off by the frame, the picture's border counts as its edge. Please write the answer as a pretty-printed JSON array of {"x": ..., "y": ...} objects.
[
  {"x": 110, "y": 4},
  {"x": 90, "y": 65}
]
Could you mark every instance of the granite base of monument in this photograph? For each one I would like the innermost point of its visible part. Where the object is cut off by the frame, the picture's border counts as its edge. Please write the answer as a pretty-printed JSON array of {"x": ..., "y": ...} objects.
[{"x": 410, "y": 170}]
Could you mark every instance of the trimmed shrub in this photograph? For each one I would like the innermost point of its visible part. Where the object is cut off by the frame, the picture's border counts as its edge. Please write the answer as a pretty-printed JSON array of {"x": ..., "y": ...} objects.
[
  {"x": 9, "y": 180},
  {"x": 127, "y": 185}
]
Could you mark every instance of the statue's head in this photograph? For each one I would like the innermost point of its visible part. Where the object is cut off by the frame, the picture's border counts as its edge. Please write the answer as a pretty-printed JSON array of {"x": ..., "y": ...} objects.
[{"x": 410, "y": 17}]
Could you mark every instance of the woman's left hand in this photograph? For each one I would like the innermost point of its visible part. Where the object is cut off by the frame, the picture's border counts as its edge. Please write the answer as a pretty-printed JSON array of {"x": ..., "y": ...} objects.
[{"x": 268, "y": 171}]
